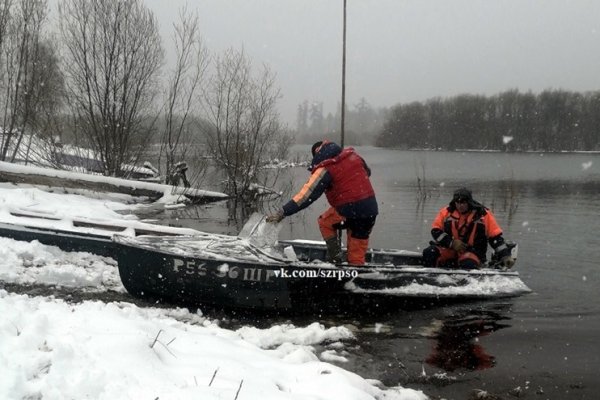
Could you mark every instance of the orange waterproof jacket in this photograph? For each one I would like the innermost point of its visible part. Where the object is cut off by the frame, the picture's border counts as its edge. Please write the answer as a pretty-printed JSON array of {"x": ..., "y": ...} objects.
[{"x": 475, "y": 228}]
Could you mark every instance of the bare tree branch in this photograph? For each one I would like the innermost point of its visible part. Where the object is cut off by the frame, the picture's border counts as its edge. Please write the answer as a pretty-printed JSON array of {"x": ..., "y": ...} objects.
[
  {"x": 246, "y": 131},
  {"x": 185, "y": 81}
]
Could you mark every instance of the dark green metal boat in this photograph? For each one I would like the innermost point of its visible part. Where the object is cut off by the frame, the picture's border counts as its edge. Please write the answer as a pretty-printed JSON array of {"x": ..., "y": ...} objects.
[{"x": 229, "y": 272}]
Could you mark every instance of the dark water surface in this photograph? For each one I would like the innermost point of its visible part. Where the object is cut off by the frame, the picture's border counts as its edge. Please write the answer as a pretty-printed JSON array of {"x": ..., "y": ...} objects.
[{"x": 545, "y": 345}]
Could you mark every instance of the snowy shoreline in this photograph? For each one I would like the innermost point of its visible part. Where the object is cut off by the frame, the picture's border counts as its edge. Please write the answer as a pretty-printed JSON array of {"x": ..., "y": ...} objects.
[{"x": 56, "y": 349}]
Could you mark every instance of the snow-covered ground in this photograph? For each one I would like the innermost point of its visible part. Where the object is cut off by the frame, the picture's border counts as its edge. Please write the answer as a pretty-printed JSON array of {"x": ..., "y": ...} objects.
[{"x": 54, "y": 349}]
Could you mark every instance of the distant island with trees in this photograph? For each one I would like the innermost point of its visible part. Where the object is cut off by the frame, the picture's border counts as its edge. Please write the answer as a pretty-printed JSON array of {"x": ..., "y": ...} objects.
[{"x": 553, "y": 120}]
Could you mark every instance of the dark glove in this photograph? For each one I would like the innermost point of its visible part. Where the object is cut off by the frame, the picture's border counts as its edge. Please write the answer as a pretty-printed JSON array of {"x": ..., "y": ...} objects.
[
  {"x": 275, "y": 218},
  {"x": 458, "y": 246},
  {"x": 507, "y": 261}
]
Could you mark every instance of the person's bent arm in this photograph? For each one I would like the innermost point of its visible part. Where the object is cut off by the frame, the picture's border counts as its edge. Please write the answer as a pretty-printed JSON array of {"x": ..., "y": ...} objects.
[{"x": 319, "y": 180}]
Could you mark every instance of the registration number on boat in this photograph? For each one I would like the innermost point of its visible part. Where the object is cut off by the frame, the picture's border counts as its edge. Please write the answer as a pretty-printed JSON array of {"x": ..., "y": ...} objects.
[{"x": 191, "y": 267}]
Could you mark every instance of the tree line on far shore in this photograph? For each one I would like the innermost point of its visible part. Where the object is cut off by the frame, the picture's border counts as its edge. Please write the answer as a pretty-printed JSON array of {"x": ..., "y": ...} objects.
[
  {"x": 553, "y": 120},
  {"x": 362, "y": 122}
]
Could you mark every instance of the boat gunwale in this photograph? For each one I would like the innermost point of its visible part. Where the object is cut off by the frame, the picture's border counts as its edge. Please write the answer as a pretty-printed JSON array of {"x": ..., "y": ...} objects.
[{"x": 370, "y": 268}]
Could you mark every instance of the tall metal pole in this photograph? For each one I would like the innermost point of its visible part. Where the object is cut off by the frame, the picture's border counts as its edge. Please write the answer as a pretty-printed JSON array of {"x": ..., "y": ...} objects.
[{"x": 343, "y": 78}]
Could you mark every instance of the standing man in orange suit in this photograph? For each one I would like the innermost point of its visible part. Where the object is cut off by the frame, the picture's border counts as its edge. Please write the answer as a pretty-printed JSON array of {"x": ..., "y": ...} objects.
[{"x": 343, "y": 176}]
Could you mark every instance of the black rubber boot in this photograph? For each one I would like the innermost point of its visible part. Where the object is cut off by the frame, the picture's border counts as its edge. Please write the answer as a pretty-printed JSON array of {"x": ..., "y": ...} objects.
[{"x": 334, "y": 250}]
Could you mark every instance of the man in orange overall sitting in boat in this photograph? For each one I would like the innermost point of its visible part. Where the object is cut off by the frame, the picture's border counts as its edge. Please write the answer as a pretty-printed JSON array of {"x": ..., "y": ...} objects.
[
  {"x": 344, "y": 178},
  {"x": 461, "y": 233}
]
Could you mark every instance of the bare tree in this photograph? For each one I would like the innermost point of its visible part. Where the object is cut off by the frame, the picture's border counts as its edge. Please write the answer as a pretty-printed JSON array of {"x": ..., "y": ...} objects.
[
  {"x": 245, "y": 130},
  {"x": 43, "y": 105},
  {"x": 6, "y": 112},
  {"x": 5, "y": 6},
  {"x": 184, "y": 82},
  {"x": 113, "y": 55},
  {"x": 21, "y": 73}
]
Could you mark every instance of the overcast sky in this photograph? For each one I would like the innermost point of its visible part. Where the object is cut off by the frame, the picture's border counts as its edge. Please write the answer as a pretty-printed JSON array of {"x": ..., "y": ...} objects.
[{"x": 405, "y": 50}]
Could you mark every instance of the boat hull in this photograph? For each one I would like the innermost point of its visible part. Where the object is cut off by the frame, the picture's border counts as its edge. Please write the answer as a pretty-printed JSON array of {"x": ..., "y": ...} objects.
[
  {"x": 189, "y": 281},
  {"x": 65, "y": 240},
  {"x": 76, "y": 234},
  {"x": 167, "y": 273}
]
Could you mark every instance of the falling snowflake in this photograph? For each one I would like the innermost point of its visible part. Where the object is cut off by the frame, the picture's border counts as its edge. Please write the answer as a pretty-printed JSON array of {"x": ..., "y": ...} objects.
[
  {"x": 586, "y": 165},
  {"x": 507, "y": 139}
]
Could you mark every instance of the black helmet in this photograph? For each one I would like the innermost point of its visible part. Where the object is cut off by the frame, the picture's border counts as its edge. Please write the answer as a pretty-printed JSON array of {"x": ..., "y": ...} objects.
[{"x": 463, "y": 194}]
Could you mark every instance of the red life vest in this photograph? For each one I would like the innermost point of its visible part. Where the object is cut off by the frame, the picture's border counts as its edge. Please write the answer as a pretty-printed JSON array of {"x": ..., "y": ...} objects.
[{"x": 350, "y": 180}]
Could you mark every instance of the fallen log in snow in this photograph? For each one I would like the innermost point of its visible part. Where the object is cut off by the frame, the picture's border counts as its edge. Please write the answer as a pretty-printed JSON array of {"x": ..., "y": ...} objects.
[{"x": 59, "y": 178}]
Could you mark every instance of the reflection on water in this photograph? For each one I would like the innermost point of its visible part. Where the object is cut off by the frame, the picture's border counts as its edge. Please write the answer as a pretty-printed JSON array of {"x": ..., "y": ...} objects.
[
  {"x": 456, "y": 340},
  {"x": 437, "y": 346}
]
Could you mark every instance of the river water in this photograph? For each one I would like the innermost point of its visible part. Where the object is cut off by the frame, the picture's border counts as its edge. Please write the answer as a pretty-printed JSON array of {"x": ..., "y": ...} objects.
[{"x": 544, "y": 345}]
